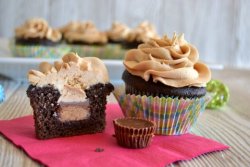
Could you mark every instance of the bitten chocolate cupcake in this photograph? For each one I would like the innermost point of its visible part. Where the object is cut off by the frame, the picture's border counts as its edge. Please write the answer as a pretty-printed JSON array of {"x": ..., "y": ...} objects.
[
  {"x": 69, "y": 97},
  {"x": 165, "y": 83},
  {"x": 140, "y": 34},
  {"x": 35, "y": 38}
]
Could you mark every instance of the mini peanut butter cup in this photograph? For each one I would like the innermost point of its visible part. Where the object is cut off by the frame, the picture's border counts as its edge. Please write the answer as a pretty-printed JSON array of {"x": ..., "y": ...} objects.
[{"x": 133, "y": 132}]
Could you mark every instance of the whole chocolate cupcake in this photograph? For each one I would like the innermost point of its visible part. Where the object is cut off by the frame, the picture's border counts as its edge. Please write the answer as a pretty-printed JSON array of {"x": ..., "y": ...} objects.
[
  {"x": 35, "y": 38},
  {"x": 165, "y": 83},
  {"x": 37, "y": 32},
  {"x": 83, "y": 33},
  {"x": 85, "y": 39}
]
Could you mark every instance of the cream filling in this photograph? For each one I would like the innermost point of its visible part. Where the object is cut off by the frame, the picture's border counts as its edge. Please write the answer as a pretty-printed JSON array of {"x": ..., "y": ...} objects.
[
  {"x": 74, "y": 111},
  {"x": 70, "y": 94}
]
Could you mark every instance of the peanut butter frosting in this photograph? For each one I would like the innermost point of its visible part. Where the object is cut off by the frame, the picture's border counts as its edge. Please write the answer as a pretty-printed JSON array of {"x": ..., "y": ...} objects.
[
  {"x": 83, "y": 32},
  {"x": 37, "y": 28},
  {"x": 173, "y": 62},
  {"x": 142, "y": 33},
  {"x": 118, "y": 32},
  {"x": 71, "y": 76}
]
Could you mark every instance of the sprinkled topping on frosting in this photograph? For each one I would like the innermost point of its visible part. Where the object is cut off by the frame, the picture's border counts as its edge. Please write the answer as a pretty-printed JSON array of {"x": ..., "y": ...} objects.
[
  {"x": 142, "y": 33},
  {"x": 118, "y": 32},
  {"x": 37, "y": 28},
  {"x": 71, "y": 76},
  {"x": 173, "y": 62},
  {"x": 83, "y": 32}
]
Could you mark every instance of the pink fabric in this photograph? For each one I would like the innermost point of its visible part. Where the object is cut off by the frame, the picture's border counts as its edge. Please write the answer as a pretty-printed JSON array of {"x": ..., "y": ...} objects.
[{"x": 80, "y": 150}]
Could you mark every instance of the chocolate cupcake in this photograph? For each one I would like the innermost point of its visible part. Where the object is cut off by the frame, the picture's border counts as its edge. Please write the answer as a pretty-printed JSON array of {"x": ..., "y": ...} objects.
[
  {"x": 133, "y": 132},
  {"x": 140, "y": 34},
  {"x": 165, "y": 83},
  {"x": 85, "y": 39},
  {"x": 118, "y": 33},
  {"x": 69, "y": 97},
  {"x": 35, "y": 38},
  {"x": 83, "y": 33},
  {"x": 37, "y": 32}
]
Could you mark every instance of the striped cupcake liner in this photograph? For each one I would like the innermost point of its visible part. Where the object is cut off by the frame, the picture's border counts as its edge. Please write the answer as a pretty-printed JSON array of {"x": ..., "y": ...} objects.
[
  {"x": 108, "y": 51},
  {"x": 38, "y": 51},
  {"x": 173, "y": 116}
]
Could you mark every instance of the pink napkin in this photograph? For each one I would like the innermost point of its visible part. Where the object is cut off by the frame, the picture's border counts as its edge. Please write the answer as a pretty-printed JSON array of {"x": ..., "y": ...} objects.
[{"x": 81, "y": 150}]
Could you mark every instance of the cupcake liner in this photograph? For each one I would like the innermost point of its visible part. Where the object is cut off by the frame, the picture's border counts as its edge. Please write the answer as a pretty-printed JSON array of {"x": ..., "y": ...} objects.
[
  {"x": 108, "y": 51},
  {"x": 38, "y": 51},
  {"x": 131, "y": 137},
  {"x": 173, "y": 116}
]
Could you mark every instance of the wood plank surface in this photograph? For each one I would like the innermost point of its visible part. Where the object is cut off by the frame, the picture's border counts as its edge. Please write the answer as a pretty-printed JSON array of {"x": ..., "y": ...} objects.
[{"x": 229, "y": 125}]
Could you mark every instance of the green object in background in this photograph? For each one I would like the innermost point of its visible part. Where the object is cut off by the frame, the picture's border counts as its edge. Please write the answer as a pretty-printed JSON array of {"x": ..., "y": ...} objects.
[{"x": 220, "y": 94}]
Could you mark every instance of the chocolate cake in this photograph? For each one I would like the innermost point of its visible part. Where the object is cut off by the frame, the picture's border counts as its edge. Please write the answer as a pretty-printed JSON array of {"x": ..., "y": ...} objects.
[
  {"x": 166, "y": 68},
  {"x": 136, "y": 85},
  {"x": 35, "y": 41},
  {"x": 69, "y": 98},
  {"x": 36, "y": 31}
]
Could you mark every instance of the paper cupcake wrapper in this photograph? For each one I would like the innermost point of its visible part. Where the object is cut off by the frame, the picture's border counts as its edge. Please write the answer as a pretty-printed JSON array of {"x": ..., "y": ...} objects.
[
  {"x": 172, "y": 116},
  {"x": 108, "y": 51},
  {"x": 38, "y": 51}
]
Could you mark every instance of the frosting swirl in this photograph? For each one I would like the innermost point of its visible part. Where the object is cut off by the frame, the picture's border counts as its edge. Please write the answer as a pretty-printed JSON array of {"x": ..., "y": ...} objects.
[
  {"x": 142, "y": 33},
  {"x": 86, "y": 71},
  {"x": 173, "y": 62},
  {"x": 71, "y": 76},
  {"x": 118, "y": 32},
  {"x": 37, "y": 28},
  {"x": 83, "y": 32}
]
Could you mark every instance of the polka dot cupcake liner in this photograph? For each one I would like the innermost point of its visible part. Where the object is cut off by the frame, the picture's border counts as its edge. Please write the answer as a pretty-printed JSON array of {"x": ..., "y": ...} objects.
[
  {"x": 38, "y": 51},
  {"x": 108, "y": 51}
]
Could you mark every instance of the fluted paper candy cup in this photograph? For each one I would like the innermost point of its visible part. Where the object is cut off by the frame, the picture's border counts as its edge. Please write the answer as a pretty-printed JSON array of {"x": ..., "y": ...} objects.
[
  {"x": 108, "y": 51},
  {"x": 173, "y": 116},
  {"x": 133, "y": 132},
  {"x": 38, "y": 51}
]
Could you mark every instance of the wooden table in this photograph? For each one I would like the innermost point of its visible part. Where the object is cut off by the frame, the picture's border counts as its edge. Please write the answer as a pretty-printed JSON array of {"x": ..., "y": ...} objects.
[{"x": 229, "y": 125}]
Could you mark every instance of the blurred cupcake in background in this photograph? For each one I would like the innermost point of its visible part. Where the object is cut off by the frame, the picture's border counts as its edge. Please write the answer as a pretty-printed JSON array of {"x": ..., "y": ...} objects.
[
  {"x": 35, "y": 38},
  {"x": 165, "y": 83},
  {"x": 86, "y": 40},
  {"x": 83, "y": 33},
  {"x": 140, "y": 34},
  {"x": 118, "y": 32}
]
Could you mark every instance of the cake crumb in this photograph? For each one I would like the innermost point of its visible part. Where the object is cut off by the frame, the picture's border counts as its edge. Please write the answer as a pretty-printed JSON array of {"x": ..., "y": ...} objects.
[{"x": 99, "y": 150}]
